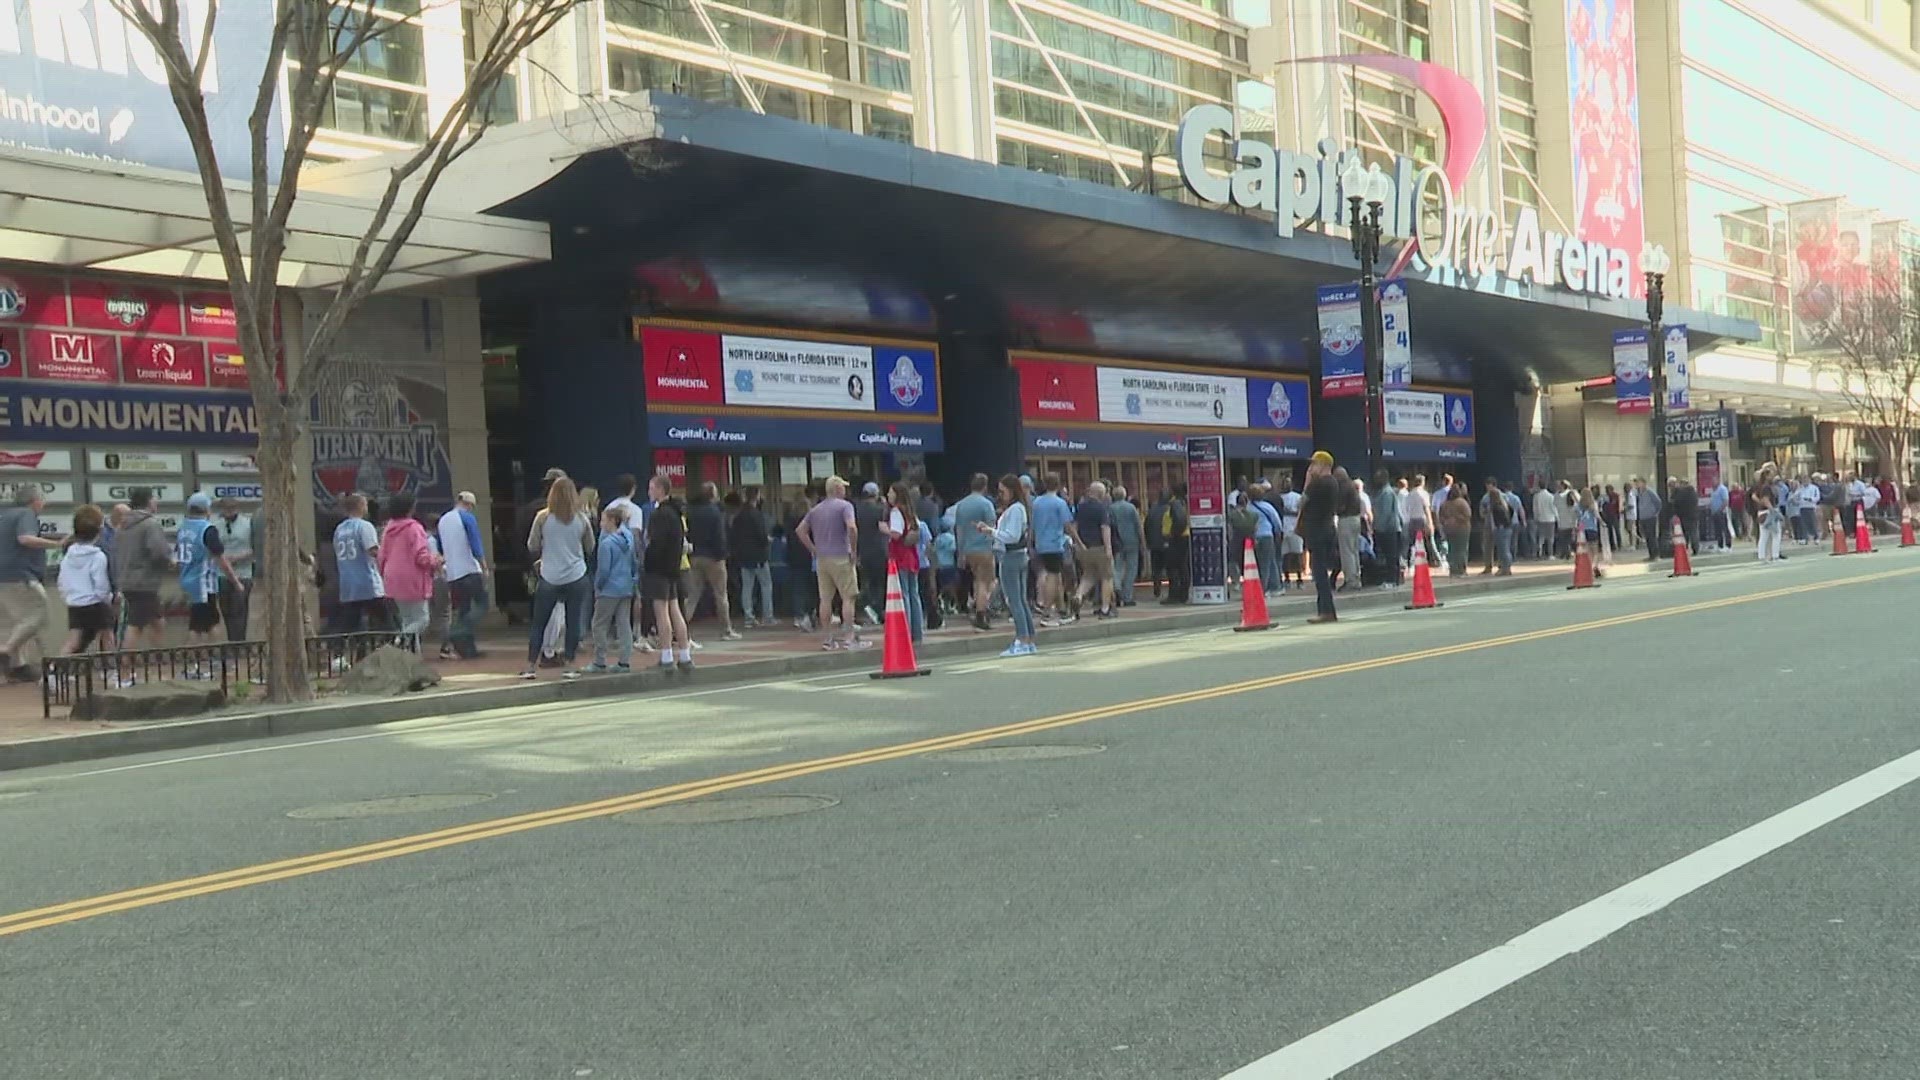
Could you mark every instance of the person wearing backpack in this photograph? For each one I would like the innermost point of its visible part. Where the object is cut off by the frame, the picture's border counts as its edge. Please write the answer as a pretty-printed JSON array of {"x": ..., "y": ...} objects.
[
  {"x": 1176, "y": 525},
  {"x": 1155, "y": 525},
  {"x": 1242, "y": 522}
]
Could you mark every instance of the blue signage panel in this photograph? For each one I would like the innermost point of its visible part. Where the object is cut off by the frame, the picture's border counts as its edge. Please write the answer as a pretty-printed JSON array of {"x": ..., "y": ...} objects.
[
  {"x": 1453, "y": 422},
  {"x": 1632, "y": 377},
  {"x": 801, "y": 432},
  {"x": 1343, "y": 354},
  {"x": 909, "y": 380},
  {"x": 124, "y": 414},
  {"x": 77, "y": 79},
  {"x": 1280, "y": 404}
]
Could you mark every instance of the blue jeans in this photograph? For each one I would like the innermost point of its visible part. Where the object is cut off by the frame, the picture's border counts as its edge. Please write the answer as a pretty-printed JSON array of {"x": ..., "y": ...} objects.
[
  {"x": 1266, "y": 557},
  {"x": 1503, "y": 548},
  {"x": 910, "y": 595},
  {"x": 469, "y": 598},
  {"x": 577, "y": 595},
  {"x": 1126, "y": 569},
  {"x": 1013, "y": 582},
  {"x": 756, "y": 579}
]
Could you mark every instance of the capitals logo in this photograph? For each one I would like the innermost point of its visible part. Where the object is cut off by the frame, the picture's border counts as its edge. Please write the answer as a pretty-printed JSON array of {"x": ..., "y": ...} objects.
[
  {"x": 1340, "y": 338},
  {"x": 13, "y": 302},
  {"x": 906, "y": 383},
  {"x": 1459, "y": 416},
  {"x": 1279, "y": 406}
]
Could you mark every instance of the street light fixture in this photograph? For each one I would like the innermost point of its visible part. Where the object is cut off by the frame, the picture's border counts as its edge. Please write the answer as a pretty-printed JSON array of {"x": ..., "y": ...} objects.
[
  {"x": 1366, "y": 184},
  {"x": 1655, "y": 262}
]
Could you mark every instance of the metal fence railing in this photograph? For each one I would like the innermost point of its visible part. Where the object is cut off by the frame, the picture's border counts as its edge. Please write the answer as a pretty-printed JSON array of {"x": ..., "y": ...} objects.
[{"x": 70, "y": 680}]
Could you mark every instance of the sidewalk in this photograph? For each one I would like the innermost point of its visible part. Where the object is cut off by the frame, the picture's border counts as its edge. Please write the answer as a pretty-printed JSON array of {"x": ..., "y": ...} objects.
[{"x": 491, "y": 681}]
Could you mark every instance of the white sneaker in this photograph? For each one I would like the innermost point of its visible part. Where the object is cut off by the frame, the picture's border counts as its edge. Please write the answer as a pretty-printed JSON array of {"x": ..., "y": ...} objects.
[
  {"x": 731, "y": 635},
  {"x": 692, "y": 644}
]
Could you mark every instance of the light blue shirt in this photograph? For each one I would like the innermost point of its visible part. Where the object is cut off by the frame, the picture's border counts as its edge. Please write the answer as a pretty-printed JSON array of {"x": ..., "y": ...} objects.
[
  {"x": 1718, "y": 500},
  {"x": 353, "y": 544},
  {"x": 1051, "y": 516},
  {"x": 1268, "y": 519},
  {"x": 198, "y": 578},
  {"x": 974, "y": 509}
]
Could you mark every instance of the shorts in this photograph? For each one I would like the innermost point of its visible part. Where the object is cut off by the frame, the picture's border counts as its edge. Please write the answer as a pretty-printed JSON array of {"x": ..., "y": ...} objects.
[
  {"x": 660, "y": 587},
  {"x": 1052, "y": 562},
  {"x": 983, "y": 567},
  {"x": 835, "y": 576},
  {"x": 1095, "y": 564},
  {"x": 143, "y": 608},
  {"x": 203, "y": 617},
  {"x": 93, "y": 618}
]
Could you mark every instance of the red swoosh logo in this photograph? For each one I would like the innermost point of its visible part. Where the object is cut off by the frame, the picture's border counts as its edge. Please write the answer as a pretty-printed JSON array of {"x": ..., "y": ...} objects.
[{"x": 1463, "y": 114}]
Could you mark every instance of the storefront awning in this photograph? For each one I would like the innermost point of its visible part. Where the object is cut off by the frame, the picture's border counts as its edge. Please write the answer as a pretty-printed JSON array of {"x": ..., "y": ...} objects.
[{"x": 70, "y": 213}]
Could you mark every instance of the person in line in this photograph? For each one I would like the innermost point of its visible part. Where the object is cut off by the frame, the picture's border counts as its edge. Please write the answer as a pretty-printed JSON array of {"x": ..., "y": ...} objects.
[
  {"x": 1349, "y": 521},
  {"x": 1456, "y": 524},
  {"x": 1685, "y": 500},
  {"x": 1266, "y": 534},
  {"x": 1719, "y": 524},
  {"x": 1630, "y": 519},
  {"x": 142, "y": 560},
  {"x": 661, "y": 568},
  {"x": 707, "y": 532},
  {"x": 465, "y": 564},
  {"x": 203, "y": 563},
  {"x": 1093, "y": 549},
  {"x": 1588, "y": 524},
  {"x": 561, "y": 539},
  {"x": 1546, "y": 517},
  {"x": 1416, "y": 510},
  {"x": 871, "y": 546},
  {"x": 1387, "y": 528},
  {"x": 1052, "y": 517},
  {"x": 750, "y": 541},
  {"x": 1497, "y": 506},
  {"x": 974, "y": 547},
  {"x": 1319, "y": 505},
  {"x": 236, "y": 535},
  {"x": 1012, "y": 535},
  {"x": 407, "y": 564},
  {"x": 1610, "y": 512},
  {"x": 615, "y": 580},
  {"x": 1739, "y": 512},
  {"x": 87, "y": 587},
  {"x": 1129, "y": 541},
  {"x": 1566, "y": 517},
  {"x": 1647, "y": 506},
  {"x": 831, "y": 532},
  {"x": 23, "y": 593},
  {"x": 903, "y": 530},
  {"x": 802, "y": 589},
  {"x": 1242, "y": 523},
  {"x": 1769, "y": 520},
  {"x": 1176, "y": 523},
  {"x": 360, "y": 601},
  {"x": 1154, "y": 525}
]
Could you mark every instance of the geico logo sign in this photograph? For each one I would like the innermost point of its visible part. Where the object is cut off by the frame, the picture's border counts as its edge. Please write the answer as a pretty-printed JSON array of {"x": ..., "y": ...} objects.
[{"x": 243, "y": 492}]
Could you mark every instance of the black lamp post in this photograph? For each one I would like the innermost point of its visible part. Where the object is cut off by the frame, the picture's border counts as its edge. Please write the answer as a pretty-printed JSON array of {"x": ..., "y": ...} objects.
[
  {"x": 1654, "y": 260},
  {"x": 1368, "y": 186}
]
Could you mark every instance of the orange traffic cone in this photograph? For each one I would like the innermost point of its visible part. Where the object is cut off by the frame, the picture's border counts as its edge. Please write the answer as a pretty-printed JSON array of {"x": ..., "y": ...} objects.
[
  {"x": 1582, "y": 561},
  {"x": 1253, "y": 595},
  {"x": 896, "y": 658},
  {"x": 1906, "y": 528},
  {"x": 1862, "y": 532},
  {"x": 1682, "y": 558},
  {"x": 1422, "y": 577},
  {"x": 1839, "y": 537}
]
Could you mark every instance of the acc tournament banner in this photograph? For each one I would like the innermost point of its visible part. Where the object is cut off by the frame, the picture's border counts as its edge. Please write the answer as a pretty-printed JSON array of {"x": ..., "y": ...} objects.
[
  {"x": 1396, "y": 339},
  {"x": 1428, "y": 425},
  {"x": 1076, "y": 406},
  {"x": 1343, "y": 355},
  {"x": 1679, "y": 374},
  {"x": 1632, "y": 377}
]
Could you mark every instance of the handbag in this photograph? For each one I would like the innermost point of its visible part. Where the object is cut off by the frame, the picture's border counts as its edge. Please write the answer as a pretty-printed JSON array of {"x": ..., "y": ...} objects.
[{"x": 1366, "y": 546}]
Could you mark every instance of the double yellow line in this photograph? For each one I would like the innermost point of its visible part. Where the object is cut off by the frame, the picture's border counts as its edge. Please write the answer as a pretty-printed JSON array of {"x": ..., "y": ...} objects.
[{"x": 91, "y": 907}]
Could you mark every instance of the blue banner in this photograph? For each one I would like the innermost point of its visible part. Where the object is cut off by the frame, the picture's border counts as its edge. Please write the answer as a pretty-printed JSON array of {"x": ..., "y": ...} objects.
[
  {"x": 908, "y": 378},
  {"x": 725, "y": 433},
  {"x": 1343, "y": 354},
  {"x": 1442, "y": 419},
  {"x": 75, "y": 78},
  {"x": 1679, "y": 370},
  {"x": 1396, "y": 336},
  {"x": 1632, "y": 377},
  {"x": 50, "y": 412},
  {"x": 1281, "y": 404}
]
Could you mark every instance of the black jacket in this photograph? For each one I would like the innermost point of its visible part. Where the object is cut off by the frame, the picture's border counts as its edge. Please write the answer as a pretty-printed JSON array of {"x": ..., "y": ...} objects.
[
  {"x": 872, "y": 539},
  {"x": 1318, "y": 504},
  {"x": 748, "y": 539},
  {"x": 666, "y": 539},
  {"x": 707, "y": 530}
]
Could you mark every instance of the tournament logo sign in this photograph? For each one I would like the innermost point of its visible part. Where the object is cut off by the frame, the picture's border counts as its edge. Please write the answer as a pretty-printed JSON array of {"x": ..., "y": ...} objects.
[
  {"x": 127, "y": 309},
  {"x": 367, "y": 437},
  {"x": 743, "y": 380},
  {"x": 905, "y": 382},
  {"x": 1133, "y": 405},
  {"x": 13, "y": 301},
  {"x": 1459, "y": 417},
  {"x": 1340, "y": 338},
  {"x": 1279, "y": 406}
]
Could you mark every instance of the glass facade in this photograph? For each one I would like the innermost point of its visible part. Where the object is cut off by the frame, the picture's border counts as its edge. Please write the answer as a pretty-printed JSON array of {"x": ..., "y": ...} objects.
[
  {"x": 1516, "y": 137},
  {"x": 381, "y": 90},
  {"x": 1381, "y": 115},
  {"x": 1773, "y": 119}
]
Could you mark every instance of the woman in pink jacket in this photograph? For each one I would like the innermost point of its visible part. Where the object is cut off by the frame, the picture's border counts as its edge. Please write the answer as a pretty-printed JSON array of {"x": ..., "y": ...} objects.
[{"x": 407, "y": 563}]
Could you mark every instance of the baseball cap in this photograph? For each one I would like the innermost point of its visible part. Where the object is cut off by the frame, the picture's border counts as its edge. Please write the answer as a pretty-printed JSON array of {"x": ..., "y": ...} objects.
[
  {"x": 464, "y": 497},
  {"x": 554, "y": 474},
  {"x": 871, "y": 488},
  {"x": 199, "y": 500},
  {"x": 1321, "y": 457}
]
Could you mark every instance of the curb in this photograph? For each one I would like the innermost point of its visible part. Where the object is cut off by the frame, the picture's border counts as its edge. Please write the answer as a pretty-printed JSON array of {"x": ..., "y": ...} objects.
[{"x": 366, "y": 712}]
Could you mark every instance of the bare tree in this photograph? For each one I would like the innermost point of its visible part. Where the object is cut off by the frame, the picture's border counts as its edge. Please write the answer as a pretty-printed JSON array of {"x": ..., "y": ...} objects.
[
  {"x": 1875, "y": 334},
  {"x": 311, "y": 40}
]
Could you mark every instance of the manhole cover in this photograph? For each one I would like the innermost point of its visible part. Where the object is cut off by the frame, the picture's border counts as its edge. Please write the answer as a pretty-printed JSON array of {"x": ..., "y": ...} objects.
[
  {"x": 1019, "y": 752},
  {"x": 397, "y": 804},
  {"x": 709, "y": 811}
]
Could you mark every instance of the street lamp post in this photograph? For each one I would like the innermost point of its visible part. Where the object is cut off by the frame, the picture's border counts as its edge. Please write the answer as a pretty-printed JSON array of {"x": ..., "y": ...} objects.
[
  {"x": 1656, "y": 263},
  {"x": 1368, "y": 186}
]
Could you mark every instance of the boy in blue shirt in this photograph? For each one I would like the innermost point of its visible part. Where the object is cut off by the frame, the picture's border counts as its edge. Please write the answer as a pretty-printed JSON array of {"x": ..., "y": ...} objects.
[
  {"x": 201, "y": 556},
  {"x": 614, "y": 577}
]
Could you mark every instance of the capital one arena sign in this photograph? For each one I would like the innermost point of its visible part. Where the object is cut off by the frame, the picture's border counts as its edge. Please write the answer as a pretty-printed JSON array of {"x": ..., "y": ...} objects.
[{"x": 1305, "y": 190}]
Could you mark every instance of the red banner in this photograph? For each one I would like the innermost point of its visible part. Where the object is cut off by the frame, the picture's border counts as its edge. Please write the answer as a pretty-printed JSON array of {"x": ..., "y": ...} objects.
[
  {"x": 682, "y": 366},
  {"x": 211, "y": 315},
  {"x": 164, "y": 362},
  {"x": 12, "y": 357},
  {"x": 671, "y": 464},
  {"x": 32, "y": 300},
  {"x": 227, "y": 369},
  {"x": 72, "y": 356},
  {"x": 1055, "y": 391},
  {"x": 101, "y": 305}
]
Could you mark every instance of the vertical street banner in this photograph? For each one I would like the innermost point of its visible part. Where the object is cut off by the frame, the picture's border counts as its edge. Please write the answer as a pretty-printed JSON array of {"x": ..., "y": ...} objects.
[
  {"x": 1207, "y": 510},
  {"x": 1820, "y": 268},
  {"x": 1603, "y": 99},
  {"x": 1632, "y": 376},
  {"x": 1343, "y": 354},
  {"x": 1679, "y": 371},
  {"x": 1396, "y": 339}
]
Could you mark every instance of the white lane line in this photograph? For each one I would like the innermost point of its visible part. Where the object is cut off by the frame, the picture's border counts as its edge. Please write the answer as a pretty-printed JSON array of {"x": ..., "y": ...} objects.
[{"x": 1340, "y": 1046}]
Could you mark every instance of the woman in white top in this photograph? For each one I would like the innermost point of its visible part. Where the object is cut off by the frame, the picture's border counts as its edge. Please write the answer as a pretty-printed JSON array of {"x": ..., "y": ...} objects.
[
  {"x": 1011, "y": 545},
  {"x": 561, "y": 539}
]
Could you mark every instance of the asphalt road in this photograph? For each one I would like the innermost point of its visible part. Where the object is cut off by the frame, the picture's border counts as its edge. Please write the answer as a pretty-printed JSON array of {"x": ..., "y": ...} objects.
[{"x": 1314, "y": 843}]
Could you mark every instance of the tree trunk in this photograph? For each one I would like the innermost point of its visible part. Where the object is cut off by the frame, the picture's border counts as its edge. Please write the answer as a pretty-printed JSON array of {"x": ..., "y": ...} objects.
[{"x": 280, "y": 570}]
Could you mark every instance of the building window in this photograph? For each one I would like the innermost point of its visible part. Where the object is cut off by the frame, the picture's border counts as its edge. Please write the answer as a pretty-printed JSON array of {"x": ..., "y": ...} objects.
[
  {"x": 379, "y": 111},
  {"x": 885, "y": 123}
]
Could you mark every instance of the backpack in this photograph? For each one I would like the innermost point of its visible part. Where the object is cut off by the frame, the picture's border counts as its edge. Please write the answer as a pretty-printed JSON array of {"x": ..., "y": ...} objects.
[{"x": 1243, "y": 521}]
